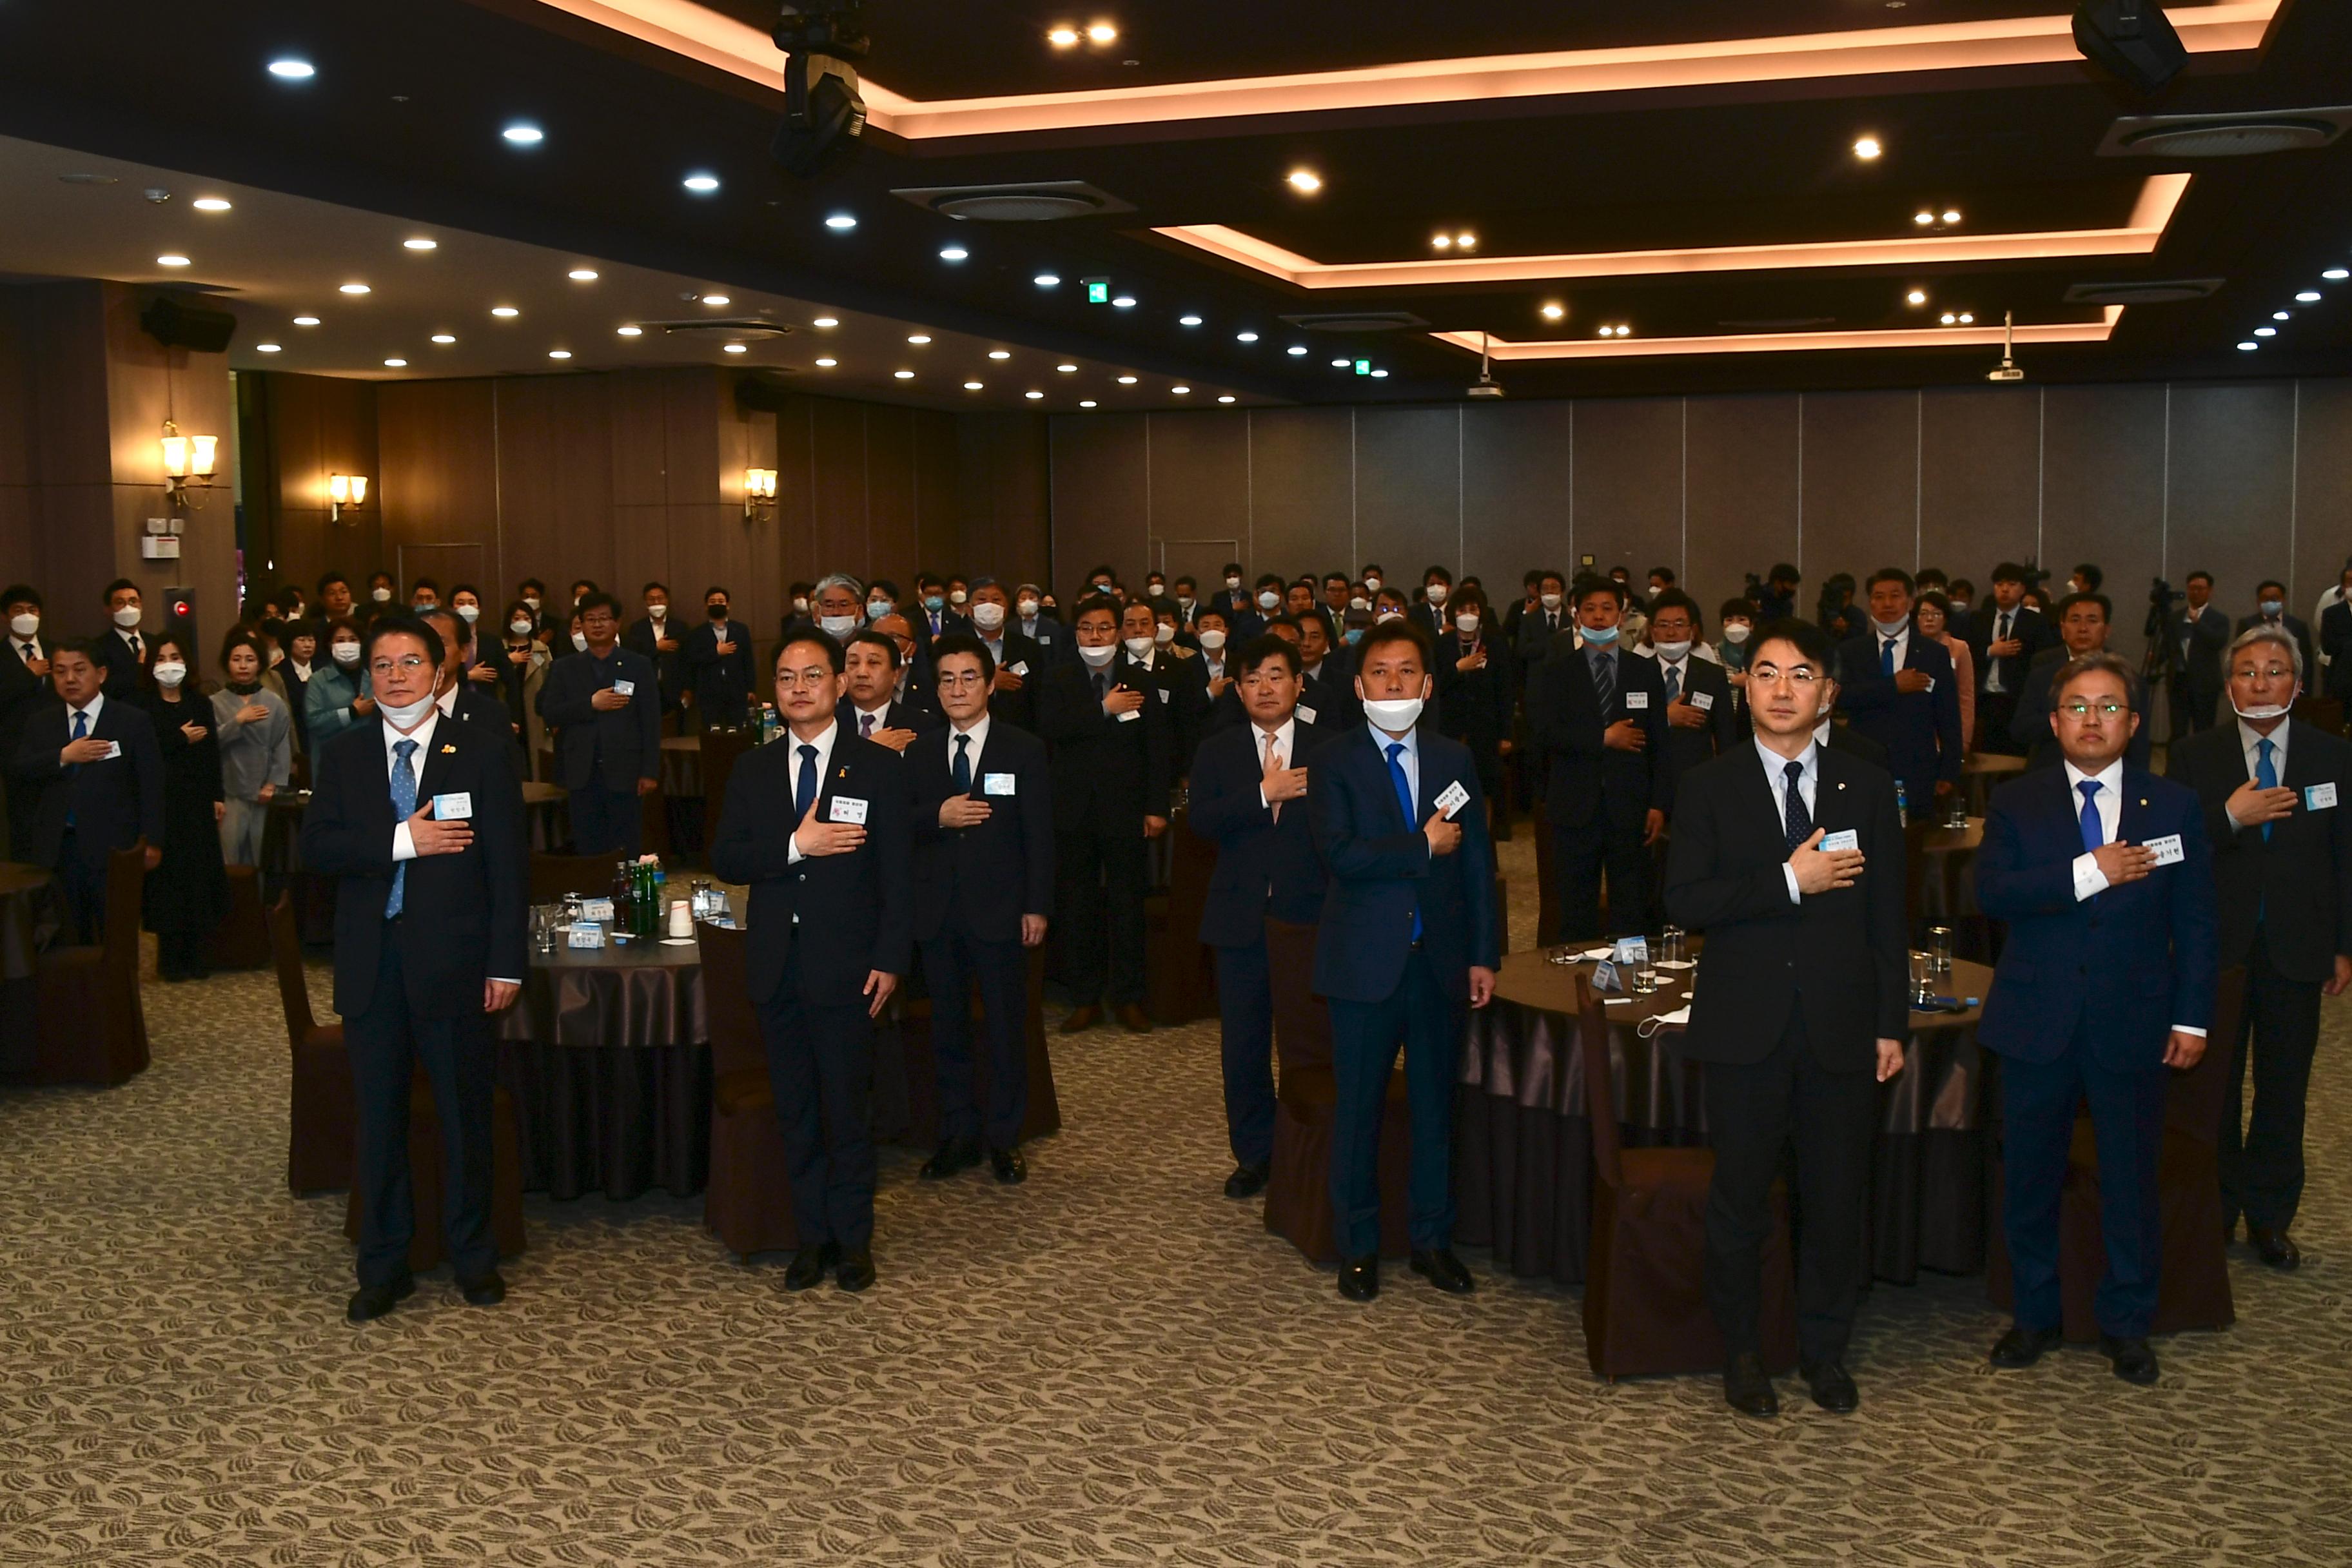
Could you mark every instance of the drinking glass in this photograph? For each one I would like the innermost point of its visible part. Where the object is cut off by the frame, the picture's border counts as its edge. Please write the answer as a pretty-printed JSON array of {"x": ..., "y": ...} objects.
[
  {"x": 1923, "y": 976},
  {"x": 1670, "y": 945},
  {"x": 1939, "y": 948}
]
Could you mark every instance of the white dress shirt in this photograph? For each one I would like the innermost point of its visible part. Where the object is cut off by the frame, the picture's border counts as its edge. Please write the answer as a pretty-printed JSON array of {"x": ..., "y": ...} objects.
[
  {"x": 1285, "y": 737},
  {"x": 824, "y": 745},
  {"x": 978, "y": 736},
  {"x": 1680, "y": 668},
  {"x": 28, "y": 649},
  {"x": 1902, "y": 641},
  {"x": 95, "y": 705},
  {"x": 1808, "y": 789},
  {"x": 2089, "y": 881}
]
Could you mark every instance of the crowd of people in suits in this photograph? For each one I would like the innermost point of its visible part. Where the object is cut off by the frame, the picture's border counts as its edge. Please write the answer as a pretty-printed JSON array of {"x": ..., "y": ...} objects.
[{"x": 957, "y": 774}]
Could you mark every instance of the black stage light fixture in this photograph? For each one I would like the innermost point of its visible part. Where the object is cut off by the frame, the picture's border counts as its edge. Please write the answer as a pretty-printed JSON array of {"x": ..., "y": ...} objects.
[
  {"x": 2131, "y": 41},
  {"x": 824, "y": 115}
]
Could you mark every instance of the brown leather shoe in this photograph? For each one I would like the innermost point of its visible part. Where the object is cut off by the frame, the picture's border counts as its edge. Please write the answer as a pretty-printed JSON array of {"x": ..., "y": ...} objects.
[
  {"x": 1134, "y": 1020},
  {"x": 1082, "y": 1019}
]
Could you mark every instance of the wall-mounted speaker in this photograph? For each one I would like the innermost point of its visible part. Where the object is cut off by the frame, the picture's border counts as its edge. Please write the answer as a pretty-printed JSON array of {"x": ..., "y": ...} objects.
[{"x": 178, "y": 324}]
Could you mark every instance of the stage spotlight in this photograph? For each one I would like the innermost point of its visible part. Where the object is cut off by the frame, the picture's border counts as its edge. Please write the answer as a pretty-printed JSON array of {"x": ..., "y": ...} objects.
[{"x": 824, "y": 115}]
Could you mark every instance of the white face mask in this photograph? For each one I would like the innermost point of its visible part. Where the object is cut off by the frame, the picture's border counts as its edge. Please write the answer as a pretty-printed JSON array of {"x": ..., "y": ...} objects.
[
  {"x": 1233, "y": 581},
  {"x": 1390, "y": 616},
  {"x": 1267, "y": 599},
  {"x": 1097, "y": 658},
  {"x": 580, "y": 642},
  {"x": 1185, "y": 602},
  {"x": 469, "y": 613},
  {"x": 2271, "y": 711},
  {"x": 127, "y": 616},
  {"x": 1436, "y": 593},
  {"x": 1359, "y": 603},
  {"x": 346, "y": 654},
  {"x": 1395, "y": 716},
  {"x": 658, "y": 612},
  {"x": 381, "y": 595},
  {"x": 957, "y": 596},
  {"x": 403, "y": 717},
  {"x": 1467, "y": 623},
  {"x": 988, "y": 617},
  {"x": 1137, "y": 647},
  {"x": 1673, "y": 652},
  {"x": 837, "y": 626},
  {"x": 1028, "y": 608},
  {"x": 1371, "y": 585},
  {"x": 1891, "y": 628},
  {"x": 24, "y": 625},
  {"x": 799, "y": 606},
  {"x": 170, "y": 674},
  {"x": 1163, "y": 633},
  {"x": 1737, "y": 633},
  {"x": 520, "y": 627},
  {"x": 1959, "y": 606},
  {"x": 1213, "y": 640},
  {"x": 1155, "y": 589},
  {"x": 532, "y": 600},
  {"x": 1551, "y": 601}
]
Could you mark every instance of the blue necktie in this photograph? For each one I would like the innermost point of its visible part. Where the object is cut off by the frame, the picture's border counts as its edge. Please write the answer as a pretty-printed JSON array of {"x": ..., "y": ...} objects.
[
  {"x": 2093, "y": 835},
  {"x": 1404, "y": 799},
  {"x": 804, "y": 787},
  {"x": 1674, "y": 683},
  {"x": 81, "y": 732},
  {"x": 1604, "y": 689},
  {"x": 963, "y": 765},
  {"x": 1799, "y": 821},
  {"x": 1886, "y": 656},
  {"x": 403, "y": 806},
  {"x": 2266, "y": 773}
]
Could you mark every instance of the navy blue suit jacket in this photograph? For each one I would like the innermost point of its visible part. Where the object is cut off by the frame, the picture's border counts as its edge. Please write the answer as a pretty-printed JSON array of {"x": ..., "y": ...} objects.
[
  {"x": 1920, "y": 730},
  {"x": 113, "y": 803},
  {"x": 992, "y": 874},
  {"x": 1264, "y": 866},
  {"x": 1382, "y": 870},
  {"x": 611, "y": 751},
  {"x": 2120, "y": 968}
]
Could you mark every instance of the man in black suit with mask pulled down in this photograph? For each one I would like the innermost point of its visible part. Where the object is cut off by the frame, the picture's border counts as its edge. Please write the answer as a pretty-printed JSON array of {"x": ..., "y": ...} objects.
[
  {"x": 817, "y": 824},
  {"x": 419, "y": 818},
  {"x": 983, "y": 826},
  {"x": 1790, "y": 857}
]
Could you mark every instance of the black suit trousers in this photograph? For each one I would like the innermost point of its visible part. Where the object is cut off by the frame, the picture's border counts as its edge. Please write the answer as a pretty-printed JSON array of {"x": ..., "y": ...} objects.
[
  {"x": 1102, "y": 948},
  {"x": 954, "y": 962},
  {"x": 821, "y": 1067},
  {"x": 1245, "y": 1013},
  {"x": 385, "y": 1043},
  {"x": 1754, "y": 1111},
  {"x": 604, "y": 821},
  {"x": 1578, "y": 857},
  {"x": 81, "y": 884},
  {"x": 2262, "y": 1156}
]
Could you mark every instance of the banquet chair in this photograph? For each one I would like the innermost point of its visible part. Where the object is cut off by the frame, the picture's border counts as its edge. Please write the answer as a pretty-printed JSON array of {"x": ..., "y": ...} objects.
[
  {"x": 553, "y": 875},
  {"x": 748, "y": 1203},
  {"x": 1298, "y": 1187},
  {"x": 322, "y": 1130},
  {"x": 1043, "y": 1112},
  {"x": 2192, "y": 1288},
  {"x": 1645, "y": 1307},
  {"x": 242, "y": 940},
  {"x": 720, "y": 751},
  {"x": 92, "y": 1027}
]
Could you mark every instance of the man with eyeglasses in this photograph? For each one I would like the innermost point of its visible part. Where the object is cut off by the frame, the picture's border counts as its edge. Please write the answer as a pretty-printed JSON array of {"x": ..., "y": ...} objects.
[
  {"x": 2084, "y": 621},
  {"x": 419, "y": 818},
  {"x": 1799, "y": 1013},
  {"x": 605, "y": 709},
  {"x": 2103, "y": 874},
  {"x": 984, "y": 821},
  {"x": 2275, "y": 791}
]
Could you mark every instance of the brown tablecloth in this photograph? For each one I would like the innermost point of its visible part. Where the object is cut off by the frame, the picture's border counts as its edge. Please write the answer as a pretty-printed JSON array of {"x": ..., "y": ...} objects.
[
  {"x": 29, "y": 920},
  {"x": 1523, "y": 1139},
  {"x": 681, "y": 765}
]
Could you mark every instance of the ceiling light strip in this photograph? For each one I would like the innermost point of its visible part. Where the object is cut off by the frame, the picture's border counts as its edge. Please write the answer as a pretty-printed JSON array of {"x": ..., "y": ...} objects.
[{"x": 2096, "y": 331}]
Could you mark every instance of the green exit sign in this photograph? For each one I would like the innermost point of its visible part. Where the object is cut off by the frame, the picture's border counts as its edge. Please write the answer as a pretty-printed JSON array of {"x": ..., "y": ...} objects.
[
  {"x": 1097, "y": 291},
  {"x": 1363, "y": 367}
]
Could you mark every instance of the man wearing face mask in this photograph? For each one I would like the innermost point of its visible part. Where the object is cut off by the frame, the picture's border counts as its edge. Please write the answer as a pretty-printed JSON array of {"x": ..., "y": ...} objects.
[
  {"x": 24, "y": 689},
  {"x": 1015, "y": 662},
  {"x": 123, "y": 653},
  {"x": 934, "y": 618},
  {"x": 606, "y": 715},
  {"x": 840, "y": 603},
  {"x": 1599, "y": 714},
  {"x": 1188, "y": 606},
  {"x": 1034, "y": 621},
  {"x": 1204, "y": 680},
  {"x": 654, "y": 638},
  {"x": 1408, "y": 935},
  {"x": 1262, "y": 610},
  {"x": 881, "y": 599},
  {"x": 533, "y": 595},
  {"x": 1233, "y": 597},
  {"x": 717, "y": 658},
  {"x": 802, "y": 610},
  {"x": 1113, "y": 763},
  {"x": 1436, "y": 588},
  {"x": 382, "y": 588},
  {"x": 2270, "y": 610}
]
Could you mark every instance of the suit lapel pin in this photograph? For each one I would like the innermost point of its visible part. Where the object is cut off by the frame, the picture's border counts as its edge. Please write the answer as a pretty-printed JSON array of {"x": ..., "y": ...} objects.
[
  {"x": 842, "y": 773},
  {"x": 1841, "y": 783},
  {"x": 452, "y": 751},
  {"x": 2143, "y": 800}
]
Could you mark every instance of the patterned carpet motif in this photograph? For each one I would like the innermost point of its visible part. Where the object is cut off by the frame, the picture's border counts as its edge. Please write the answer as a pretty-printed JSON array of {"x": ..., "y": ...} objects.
[{"x": 1111, "y": 1364}]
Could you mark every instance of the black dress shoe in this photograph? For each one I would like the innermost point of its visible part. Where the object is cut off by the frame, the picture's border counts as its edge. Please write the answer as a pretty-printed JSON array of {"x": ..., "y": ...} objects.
[
  {"x": 2022, "y": 1347},
  {"x": 953, "y": 1155},
  {"x": 808, "y": 1265},
  {"x": 1009, "y": 1166},
  {"x": 1246, "y": 1181},
  {"x": 1359, "y": 1278},
  {"x": 1747, "y": 1388},
  {"x": 1444, "y": 1271},
  {"x": 2133, "y": 1360},
  {"x": 856, "y": 1272},
  {"x": 2274, "y": 1248},
  {"x": 1134, "y": 1020},
  {"x": 487, "y": 1291},
  {"x": 1832, "y": 1388},
  {"x": 374, "y": 1300}
]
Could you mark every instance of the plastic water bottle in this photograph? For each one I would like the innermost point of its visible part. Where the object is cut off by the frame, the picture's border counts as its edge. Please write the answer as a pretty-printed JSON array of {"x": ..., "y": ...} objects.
[{"x": 1901, "y": 804}]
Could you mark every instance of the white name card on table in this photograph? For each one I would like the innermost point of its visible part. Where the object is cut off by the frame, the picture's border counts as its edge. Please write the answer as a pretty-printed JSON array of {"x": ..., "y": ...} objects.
[
  {"x": 2318, "y": 797},
  {"x": 1637, "y": 700},
  {"x": 587, "y": 934},
  {"x": 597, "y": 909},
  {"x": 1703, "y": 701},
  {"x": 1845, "y": 838},
  {"x": 999, "y": 784},
  {"x": 625, "y": 688},
  {"x": 1632, "y": 949},
  {"x": 1604, "y": 977},
  {"x": 1453, "y": 799},
  {"x": 847, "y": 808},
  {"x": 454, "y": 806},
  {"x": 2167, "y": 849}
]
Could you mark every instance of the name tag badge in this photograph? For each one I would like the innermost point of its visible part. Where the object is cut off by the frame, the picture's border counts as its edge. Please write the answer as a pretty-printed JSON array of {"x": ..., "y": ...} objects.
[
  {"x": 1451, "y": 799},
  {"x": 586, "y": 933},
  {"x": 1842, "y": 840},
  {"x": 997, "y": 783},
  {"x": 1637, "y": 699},
  {"x": 595, "y": 909},
  {"x": 625, "y": 688},
  {"x": 1303, "y": 713},
  {"x": 1931, "y": 683},
  {"x": 114, "y": 750},
  {"x": 1703, "y": 701},
  {"x": 1022, "y": 668},
  {"x": 847, "y": 808},
  {"x": 2166, "y": 849},
  {"x": 454, "y": 806},
  {"x": 2318, "y": 797},
  {"x": 1165, "y": 694},
  {"x": 1130, "y": 716}
]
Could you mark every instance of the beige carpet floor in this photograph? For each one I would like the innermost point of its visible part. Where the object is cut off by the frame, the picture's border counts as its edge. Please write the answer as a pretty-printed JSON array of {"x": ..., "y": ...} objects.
[{"x": 1110, "y": 1365}]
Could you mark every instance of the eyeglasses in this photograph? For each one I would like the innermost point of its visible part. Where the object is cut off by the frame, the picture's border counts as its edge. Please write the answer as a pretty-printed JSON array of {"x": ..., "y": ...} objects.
[
  {"x": 2269, "y": 672},
  {"x": 2079, "y": 709},
  {"x": 960, "y": 681},
  {"x": 804, "y": 680},
  {"x": 1801, "y": 678},
  {"x": 381, "y": 668}
]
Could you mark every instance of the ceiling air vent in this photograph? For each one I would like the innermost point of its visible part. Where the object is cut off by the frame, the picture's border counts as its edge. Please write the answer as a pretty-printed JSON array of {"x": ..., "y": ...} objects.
[
  {"x": 1359, "y": 322},
  {"x": 722, "y": 326},
  {"x": 2224, "y": 135},
  {"x": 1038, "y": 202},
  {"x": 2148, "y": 291}
]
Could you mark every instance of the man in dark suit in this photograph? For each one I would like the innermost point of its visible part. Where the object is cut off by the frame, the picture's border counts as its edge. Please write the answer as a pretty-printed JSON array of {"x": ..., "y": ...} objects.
[
  {"x": 1599, "y": 714},
  {"x": 122, "y": 651},
  {"x": 1409, "y": 933},
  {"x": 606, "y": 709},
  {"x": 1033, "y": 620},
  {"x": 1429, "y": 612},
  {"x": 2193, "y": 645},
  {"x": 2082, "y": 625},
  {"x": 717, "y": 659},
  {"x": 655, "y": 639},
  {"x": 983, "y": 820},
  {"x": 1539, "y": 628},
  {"x": 1233, "y": 597},
  {"x": 933, "y": 617},
  {"x": 1114, "y": 762},
  {"x": 1019, "y": 660},
  {"x": 24, "y": 690},
  {"x": 2005, "y": 640},
  {"x": 1327, "y": 677},
  {"x": 869, "y": 707},
  {"x": 1897, "y": 688},
  {"x": 1248, "y": 798},
  {"x": 1800, "y": 1009},
  {"x": 2270, "y": 610},
  {"x": 2104, "y": 877},
  {"x": 2276, "y": 792},
  {"x": 1702, "y": 718},
  {"x": 910, "y": 686},
  {"x": 816, "y": 823},
  {"x": 2336, "y": 644},
  {"x": 98, "y": 772},
  {"x": 419, "y": 818}
]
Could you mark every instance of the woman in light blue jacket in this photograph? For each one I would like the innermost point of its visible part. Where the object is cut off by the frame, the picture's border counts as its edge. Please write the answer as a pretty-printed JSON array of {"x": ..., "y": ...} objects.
[{"x": 337, "y": 697}]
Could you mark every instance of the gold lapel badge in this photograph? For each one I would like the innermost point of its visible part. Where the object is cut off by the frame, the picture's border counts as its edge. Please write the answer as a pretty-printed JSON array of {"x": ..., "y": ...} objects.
[{"x": 452, "y": 751}]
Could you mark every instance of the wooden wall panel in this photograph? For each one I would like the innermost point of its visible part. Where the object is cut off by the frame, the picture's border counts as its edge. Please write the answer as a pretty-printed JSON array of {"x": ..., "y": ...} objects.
[
  {"x": 1302, "y": 491},
  {"x": 938, "y": 498},
  {"x": 837, "y": 488},
  {"x": 1101, "y": 495},
  {"x": 2231, "y": 494},
  {"x": 2102, "y": 493},
  {"x": 2323, "y": 490},
  {"x": 1199, "y": 499},
  {"x": 1628, "y": 495},
  {"x": 1979, "y": 479},
  {"x": 1515, "y": 462},
  {"x": 796, "y": 544},
  {"x": 437, "y": 448},
  {"x": 1408, "y": 490},
  {"x": 1003, "y": 495},
  {"x": 1861, "y": 485},
  {"x": 320, "y": 426},
  {"x": 555, "y": 474},
  {"x": 1742, "y": 506},
  {"x": 889, "y": 475},
  {"x": 637, "y": 440}
]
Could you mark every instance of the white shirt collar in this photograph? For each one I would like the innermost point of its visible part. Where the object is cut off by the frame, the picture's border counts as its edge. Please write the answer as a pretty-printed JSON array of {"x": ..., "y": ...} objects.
[
  {"x": 979, "y": 733},
  {"x": 2249, "y": 742},
  {"x": 1776, "y": 766},
  {"x": 881, "y": 716},
  {"x": 1382, "y": 738},
  {"x": 421, "y": 735},
  {"x": 824, "y": 745},
  {"x": 1286, "y": 739},
  {"x": 2110, "y": 781},
  {"x": 93, "y": 706},
  {"x": 447, "y": 703}
]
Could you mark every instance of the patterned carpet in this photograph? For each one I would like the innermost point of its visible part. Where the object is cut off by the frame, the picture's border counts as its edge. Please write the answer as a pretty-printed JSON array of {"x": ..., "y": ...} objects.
[{"x": 1112, "y": 1365}]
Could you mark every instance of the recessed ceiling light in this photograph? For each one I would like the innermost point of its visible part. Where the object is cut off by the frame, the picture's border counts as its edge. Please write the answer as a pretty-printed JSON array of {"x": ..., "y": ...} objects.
[
  {"x": 972, "y": 387},
  {"x": 717, "y": 299},
  {"x": 1553, "y": 311},
  {"x": 1123, "y": 303},
  {"x": 1338, "y": 365},
  {"x": 840, "y": 221},
  {"x": 903, "y": 375},
  {"x": 1102, "y": 33},
  {"x": 523, "y": 134},
  {"x": 1046, "y": 281},
  {"x": 1380, "y": 375},
  {"x": 1916, "y": 297},
  {"x": 443, "y": 338},
  {"x": 631, "y": 331},
  {"x": 210, "y": 205},
  {"x": 265, "y": 348},
  {"x": 559, "y": 354},
  {"x": 1085, "y": 403},
  {"x": 1188, "y": 320},
  {"x": 999, "y": 353},
  {"x": 1127, "y": 381},
  {"x": 2308, "y": 297},
  {"x": 2249, "y": 345},
  {"x": 1948, "y": 317},
  {"x": 292, "y": 69},
  {"x": 1867, "y": 148},
  {"x": 1951, "y": 215},
  {"x": 1066, "y": 369},
  {"x": 1966, "y": 319},
  {"x": 2265, "y": 332},
  {"x": 2333, "y": 274},
  {"x": 735, "y": 348},
  {"x": 355, "y": 289},
  {"x": 1295, "y": 349},
  {"x": 918, "y": 338},
  {"x": 2282, "y": 315},
  {"x": 505, "y": 312},
  {"x": 1033, "y": 394},
  {"x": 1923, "y": 217},
  {"x": 1245, "y": 337},
  {"x": 1179, "y": 391},
  {"x": 171, "y": 260},
  {"x": 826, "y": 363},
  {"x": 1228, "y": 398},
  {"x": 1306, "y": 181},
  {"x": 306, "y": 321},
  {"x": 420, "y": 244},
  {"x": 582, "y": 275},
  {"x": 1465, "y": 241},
  {"x": 700, "y": 184},
  {"x": 954, "y": 253},
  {"x": 1063, "y": 37},
  {"x": 395, "y": 364},
  {"x": 1441, "y": 242}
]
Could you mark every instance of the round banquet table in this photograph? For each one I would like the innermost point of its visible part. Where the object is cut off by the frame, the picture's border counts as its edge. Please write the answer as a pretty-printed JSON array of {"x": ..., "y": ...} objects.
[
  {"x": 30, "y": 918},
  {"x": 1524, "y": 1142},
  {"x": 607, "y": 1054},
  {"x": 1947, "y": 885}
]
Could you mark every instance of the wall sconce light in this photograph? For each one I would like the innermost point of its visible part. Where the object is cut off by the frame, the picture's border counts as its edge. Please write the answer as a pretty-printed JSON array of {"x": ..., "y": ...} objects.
[
  {"x": 188, "y": 463},
  {"x": 759, "y": 491},
  {"x": 342, "y": 491}
]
